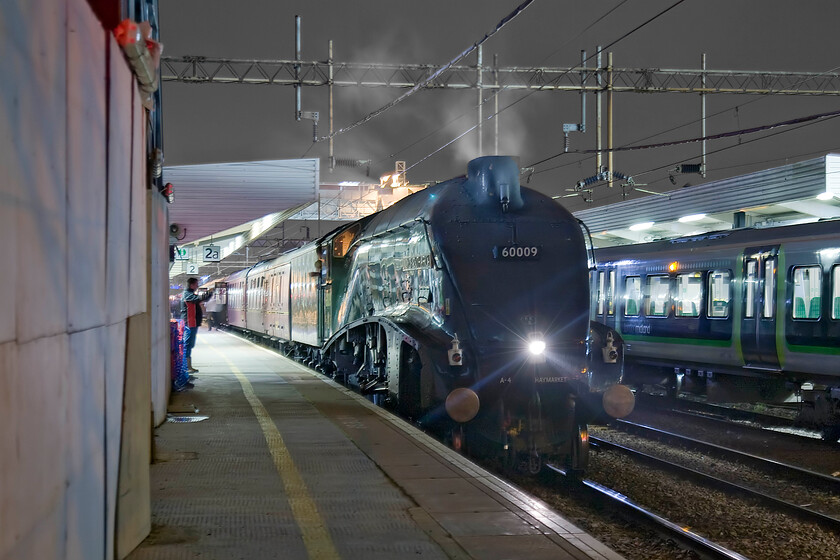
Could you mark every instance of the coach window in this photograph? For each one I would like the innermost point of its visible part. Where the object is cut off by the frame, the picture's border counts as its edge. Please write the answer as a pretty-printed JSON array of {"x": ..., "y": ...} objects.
[
  {"x": 769, "y": 288},
  {"x": 807, "y": 285},
  {"x": 751, "y": 283},
  {"x": 611, "y": 294},
  {"x": 632, "y": 295},
  {"x": 601, "y": 293},
  {"x": 689, "y": 293},
  {"x": 835, "y": 292},
  {"x": 657, "y": 296},
  {"x": 718, "y": 290}
]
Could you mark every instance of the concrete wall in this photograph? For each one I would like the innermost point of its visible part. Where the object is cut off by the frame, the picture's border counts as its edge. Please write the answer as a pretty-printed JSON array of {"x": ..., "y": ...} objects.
[{"x": 77, "y": 301}]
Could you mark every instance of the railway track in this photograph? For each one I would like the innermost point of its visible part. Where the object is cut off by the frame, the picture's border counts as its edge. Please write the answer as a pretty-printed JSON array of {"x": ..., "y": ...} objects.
[
  {"x": 635, "y": 513},
  {"x": 801, "y": 512},
  {"x": 771, "y": 466}
]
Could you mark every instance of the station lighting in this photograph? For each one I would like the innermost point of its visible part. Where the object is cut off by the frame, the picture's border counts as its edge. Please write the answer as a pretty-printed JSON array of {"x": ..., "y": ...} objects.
[
  {"x": 536, "y": 347},
  {"x": 825, "y": 196},
  {"x": 641, "y": 226},
  {"x": 673, "y": 266},
  {"x": 692, "y": 218}
]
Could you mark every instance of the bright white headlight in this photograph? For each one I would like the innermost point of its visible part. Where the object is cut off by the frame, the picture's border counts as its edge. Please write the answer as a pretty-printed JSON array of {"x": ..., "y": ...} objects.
[{"x": 536, "y": 347}]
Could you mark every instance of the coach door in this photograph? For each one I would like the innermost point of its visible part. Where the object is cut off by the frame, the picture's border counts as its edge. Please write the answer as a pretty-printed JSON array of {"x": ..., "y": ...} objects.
[{"x": 758, "y": 318}]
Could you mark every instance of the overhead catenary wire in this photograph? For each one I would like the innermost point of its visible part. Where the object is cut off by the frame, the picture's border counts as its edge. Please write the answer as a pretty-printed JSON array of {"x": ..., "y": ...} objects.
[
  {"x": 598, "y": 20},
  {"x": 725, "y": 148},
  {"x": 555, "y": 80},
  {"x": 507, "y": 19},
  {"x": 694, "y": 121}
]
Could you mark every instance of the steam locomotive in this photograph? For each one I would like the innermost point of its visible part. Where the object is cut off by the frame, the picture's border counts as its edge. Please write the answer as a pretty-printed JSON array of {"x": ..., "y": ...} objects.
[
  {"x": 741, "y": 315},
  {"x": 464, "y": 307}
]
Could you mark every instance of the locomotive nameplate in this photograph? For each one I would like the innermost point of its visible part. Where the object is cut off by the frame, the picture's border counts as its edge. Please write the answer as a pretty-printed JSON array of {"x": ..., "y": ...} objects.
[
  {"x": 417, "y": 262},
  {"x": 517, "y": 252}
]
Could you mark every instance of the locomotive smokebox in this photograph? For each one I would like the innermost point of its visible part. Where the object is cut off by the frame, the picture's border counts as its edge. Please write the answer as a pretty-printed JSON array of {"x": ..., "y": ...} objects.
[{"x": 494, "y": 180}]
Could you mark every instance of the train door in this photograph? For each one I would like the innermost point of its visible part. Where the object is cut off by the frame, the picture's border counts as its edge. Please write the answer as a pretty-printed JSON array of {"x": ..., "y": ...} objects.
[
  {"x": 282, "y": 318},
  {"x": 759, "y": 314},
  {"x": 605, "y": 297}
]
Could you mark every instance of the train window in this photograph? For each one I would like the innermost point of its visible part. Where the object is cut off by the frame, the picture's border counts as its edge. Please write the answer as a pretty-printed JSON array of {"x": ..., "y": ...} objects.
[
  {"x": 343, "y": 241},
  {"x": 632, "y": 295},
  {"x": 835, "y": 292},
  {"x": 751, "y": 283},
  {"x": 657, "y": 296},
  {"x": 611, "y": 294},
  {"x": 689, "y": 294},
  {"x": 601, "y": 293},
  {"x": 769, "y": 288},
  {"x": 807, "y": 292},
  {"x": 719, "y": 281}
]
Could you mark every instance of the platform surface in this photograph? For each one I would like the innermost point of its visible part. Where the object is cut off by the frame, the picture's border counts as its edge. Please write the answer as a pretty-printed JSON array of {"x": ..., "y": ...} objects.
[{"x": 291, "y": 465}]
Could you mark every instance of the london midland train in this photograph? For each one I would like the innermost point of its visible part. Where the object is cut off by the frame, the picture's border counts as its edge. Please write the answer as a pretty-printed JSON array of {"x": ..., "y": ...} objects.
[
  {"x": 740, "y": 315},
  {"x": 464, "y": 306}
]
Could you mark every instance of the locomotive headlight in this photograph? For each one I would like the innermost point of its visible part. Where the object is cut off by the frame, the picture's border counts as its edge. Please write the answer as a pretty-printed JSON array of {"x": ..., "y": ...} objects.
[{"x": 536, "y": 347}]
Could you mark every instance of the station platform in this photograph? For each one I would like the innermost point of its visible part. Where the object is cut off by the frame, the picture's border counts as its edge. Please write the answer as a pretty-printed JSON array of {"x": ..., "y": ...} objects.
[{"x": 289, "y": 464}]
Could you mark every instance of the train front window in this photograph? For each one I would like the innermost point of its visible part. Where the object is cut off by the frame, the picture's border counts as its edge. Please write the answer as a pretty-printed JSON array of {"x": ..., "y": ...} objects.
[
  {"x": 632, "y": 295},
  {"x": 689, "y": 294},
  {"x": 835, "y": 292},
  {"x": 657, "y": 296},
  {"x": 718, "y": 306},
  {"x": 751, "y": 283},
  {"x": 769, "y": 288},
  {"x": 807, "y": 292}
]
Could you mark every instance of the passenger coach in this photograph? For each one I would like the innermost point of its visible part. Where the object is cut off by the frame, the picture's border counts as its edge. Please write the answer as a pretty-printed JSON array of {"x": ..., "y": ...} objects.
[{"x": 750, "y": 314}]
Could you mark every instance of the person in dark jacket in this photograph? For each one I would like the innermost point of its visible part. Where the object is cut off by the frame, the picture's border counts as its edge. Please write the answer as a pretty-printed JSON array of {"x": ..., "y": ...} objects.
[{"x": 191, "y": 316}]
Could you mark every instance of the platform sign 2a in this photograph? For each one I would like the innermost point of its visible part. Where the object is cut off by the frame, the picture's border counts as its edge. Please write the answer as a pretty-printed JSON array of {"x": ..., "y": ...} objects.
[{"x": 211, "y": 253}]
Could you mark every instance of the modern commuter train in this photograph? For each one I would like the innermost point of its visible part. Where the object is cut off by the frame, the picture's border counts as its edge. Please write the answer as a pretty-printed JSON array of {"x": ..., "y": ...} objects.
[
  {"x": 747, "y": 314},
  {"x": 464, "y": 306}
]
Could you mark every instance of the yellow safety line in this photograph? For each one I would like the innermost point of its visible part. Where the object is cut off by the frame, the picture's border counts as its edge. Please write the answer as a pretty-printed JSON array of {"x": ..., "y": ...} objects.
[{"x": 316, "y": 538}]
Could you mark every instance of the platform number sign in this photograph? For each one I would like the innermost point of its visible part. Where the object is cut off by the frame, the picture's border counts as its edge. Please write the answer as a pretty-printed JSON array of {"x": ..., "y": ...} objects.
[
  {"x": 211, "y": 253},
  {"x": 192, "y": 269}
]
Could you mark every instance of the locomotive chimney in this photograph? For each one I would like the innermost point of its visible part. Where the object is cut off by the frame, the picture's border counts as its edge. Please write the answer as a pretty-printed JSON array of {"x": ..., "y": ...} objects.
[{"x": 494, "y": 180}]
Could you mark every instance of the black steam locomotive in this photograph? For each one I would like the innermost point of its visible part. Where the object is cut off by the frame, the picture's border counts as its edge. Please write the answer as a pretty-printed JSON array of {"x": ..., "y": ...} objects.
[{"x": 464, "y": 306}]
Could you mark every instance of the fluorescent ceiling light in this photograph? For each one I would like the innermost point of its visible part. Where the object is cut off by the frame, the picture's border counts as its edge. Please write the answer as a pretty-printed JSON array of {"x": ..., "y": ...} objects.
[
  {"x": 642, "y": 226},
  {"x": 825, "y": 196},
  {"x": 692, "y": 218}
]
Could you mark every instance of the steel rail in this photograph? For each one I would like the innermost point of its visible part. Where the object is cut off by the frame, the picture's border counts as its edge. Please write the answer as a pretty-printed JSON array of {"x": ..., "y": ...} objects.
[
  {"x": 824, "y": 481},
  {"x": 803, "y": 513},
  {"x": 623, "y": 505}
]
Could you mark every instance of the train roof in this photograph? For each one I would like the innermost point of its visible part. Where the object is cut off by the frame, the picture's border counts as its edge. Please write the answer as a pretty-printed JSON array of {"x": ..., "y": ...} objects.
[{"x": 743, "y": 236}]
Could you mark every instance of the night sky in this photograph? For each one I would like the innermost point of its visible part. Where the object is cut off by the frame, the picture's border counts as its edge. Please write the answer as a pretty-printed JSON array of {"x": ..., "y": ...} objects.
[{"x": 221, "y": 122}]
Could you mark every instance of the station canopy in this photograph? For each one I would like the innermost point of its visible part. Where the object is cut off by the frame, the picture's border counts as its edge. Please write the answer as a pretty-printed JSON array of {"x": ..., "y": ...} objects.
[
  {"x": 212, "y": 198},
  {"x": 796, "y": 193}
]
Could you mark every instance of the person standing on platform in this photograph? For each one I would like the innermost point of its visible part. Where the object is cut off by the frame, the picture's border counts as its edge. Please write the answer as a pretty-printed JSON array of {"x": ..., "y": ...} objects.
[
  {"x": 213, "y": 306},
  {"x": 191, "y": 315}
]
